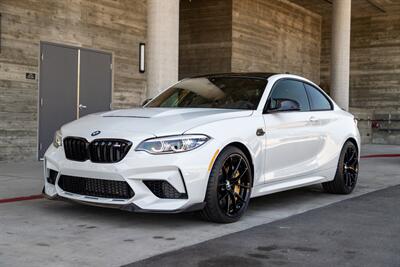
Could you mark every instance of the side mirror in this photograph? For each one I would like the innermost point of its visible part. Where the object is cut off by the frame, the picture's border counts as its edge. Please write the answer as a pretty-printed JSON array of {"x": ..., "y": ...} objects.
[
  {"x": 146, "y": 101},
  {"x": 283, "y": 105}
]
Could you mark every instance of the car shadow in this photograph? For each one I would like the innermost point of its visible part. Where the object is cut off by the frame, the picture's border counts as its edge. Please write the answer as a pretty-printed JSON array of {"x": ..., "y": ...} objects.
[{"x": 121, "y": 218}]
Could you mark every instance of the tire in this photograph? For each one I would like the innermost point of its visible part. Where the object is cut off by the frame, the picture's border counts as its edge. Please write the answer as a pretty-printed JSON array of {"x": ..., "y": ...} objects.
[
  {"x": 229, "y": 187},
  {"x": 346, "y": 173}
]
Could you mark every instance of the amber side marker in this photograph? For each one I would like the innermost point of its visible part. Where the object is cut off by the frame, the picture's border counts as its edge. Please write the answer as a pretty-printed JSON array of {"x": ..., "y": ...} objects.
[{"x": 213, "y": 159}]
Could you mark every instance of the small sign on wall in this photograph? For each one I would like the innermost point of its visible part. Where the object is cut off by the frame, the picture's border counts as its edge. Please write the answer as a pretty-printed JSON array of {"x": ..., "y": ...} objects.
[{"x": 30, "y": 76}]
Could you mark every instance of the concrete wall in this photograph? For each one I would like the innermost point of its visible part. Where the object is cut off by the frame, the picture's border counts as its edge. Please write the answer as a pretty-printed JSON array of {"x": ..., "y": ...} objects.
[
  {"x": 374, "y": 64},
  {"x": 115, "y": 26},
  {"x": 248, "y": 35},
  {"x": 205, "y": 39},
  {"x": 374, "y": 71},
  {"x": 276, "y": 36},
  {"x": 375, "y": 60}
]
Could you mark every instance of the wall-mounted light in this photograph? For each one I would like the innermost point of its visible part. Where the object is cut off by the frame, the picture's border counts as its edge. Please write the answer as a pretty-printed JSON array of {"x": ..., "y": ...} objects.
[{"x": 142, "y": 65}]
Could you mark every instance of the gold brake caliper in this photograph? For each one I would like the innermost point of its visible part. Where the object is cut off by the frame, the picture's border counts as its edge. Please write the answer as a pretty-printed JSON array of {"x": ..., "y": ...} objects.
[{"x": 237, "y": 187}]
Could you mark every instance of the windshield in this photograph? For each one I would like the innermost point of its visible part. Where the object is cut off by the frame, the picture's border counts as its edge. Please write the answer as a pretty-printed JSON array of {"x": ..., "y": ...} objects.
[{"x": 213, "y": 92}]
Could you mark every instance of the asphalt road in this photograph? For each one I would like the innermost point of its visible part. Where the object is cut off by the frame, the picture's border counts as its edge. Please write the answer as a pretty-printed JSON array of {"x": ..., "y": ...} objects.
[
  {"x": 41, "y": 232},
  {"x": 362, "y": 231}
]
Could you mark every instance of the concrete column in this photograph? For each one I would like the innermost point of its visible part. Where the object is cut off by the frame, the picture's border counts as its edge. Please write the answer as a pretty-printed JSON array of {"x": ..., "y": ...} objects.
[
  {"x": 340, "y": 53},
  {"x": 162, "y": 44}
]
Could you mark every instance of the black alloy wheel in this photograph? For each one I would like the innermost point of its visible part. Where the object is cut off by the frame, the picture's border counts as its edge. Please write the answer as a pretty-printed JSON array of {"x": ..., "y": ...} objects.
[
  {"x": 347, "y": 171},
  {"x": 350, "y": 167},
  {"x": 234, "y": 185},
  {"x": 229, "y": 187}
]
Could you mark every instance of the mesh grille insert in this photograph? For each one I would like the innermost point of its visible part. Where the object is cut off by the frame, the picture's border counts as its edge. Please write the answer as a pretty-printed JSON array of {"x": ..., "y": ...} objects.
[
  {"x": 96, "y": 187},
  {"x": 163, "y": 189}
]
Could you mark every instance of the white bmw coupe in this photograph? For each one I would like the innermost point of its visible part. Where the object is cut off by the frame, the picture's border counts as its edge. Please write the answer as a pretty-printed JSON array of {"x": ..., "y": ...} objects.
[{"x": 208, "y": 143}]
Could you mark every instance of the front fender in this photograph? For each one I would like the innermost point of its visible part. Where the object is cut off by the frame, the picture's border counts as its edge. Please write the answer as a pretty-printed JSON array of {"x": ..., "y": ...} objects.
[{"x": 239, "y": 130}]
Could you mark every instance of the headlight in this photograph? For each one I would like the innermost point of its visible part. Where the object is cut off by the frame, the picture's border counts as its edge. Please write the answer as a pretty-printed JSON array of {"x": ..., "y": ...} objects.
[
  {"x": 57, "y": 141},
  {"x": 172, "y": 144}
]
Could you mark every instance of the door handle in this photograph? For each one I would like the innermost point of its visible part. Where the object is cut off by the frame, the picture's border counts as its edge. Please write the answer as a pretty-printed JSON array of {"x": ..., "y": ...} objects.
[
  {"x": 313, "y": 119},
  {"x": 82, "y": 106}
]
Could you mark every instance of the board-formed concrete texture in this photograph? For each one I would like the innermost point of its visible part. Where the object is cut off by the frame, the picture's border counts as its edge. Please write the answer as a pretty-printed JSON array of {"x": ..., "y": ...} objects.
[
  {"x": 205, "y": 37},
  {"x": 214, "y": 36},
  {"x": 277, "y": 36},
  {"x": 249, "y": 36},
  {"x": 111, "y": 26},
  {"x": 374, "y": 62},
  {"x": 43, "y": 232}
]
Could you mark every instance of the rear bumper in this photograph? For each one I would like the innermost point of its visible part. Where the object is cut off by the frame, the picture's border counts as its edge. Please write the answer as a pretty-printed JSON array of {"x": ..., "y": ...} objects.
[{"x": 186, "y": 172}]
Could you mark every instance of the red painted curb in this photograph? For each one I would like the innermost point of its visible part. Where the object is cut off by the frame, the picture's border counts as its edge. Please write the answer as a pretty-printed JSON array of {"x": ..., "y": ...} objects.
[
  {"x": 15, "y": 199},
  {"x": 381, "y": 156}
]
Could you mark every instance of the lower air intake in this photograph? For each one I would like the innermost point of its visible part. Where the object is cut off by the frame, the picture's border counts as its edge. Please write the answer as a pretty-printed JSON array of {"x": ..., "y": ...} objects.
[
  {"x": 96, "y": 187},
  {"x": 163, "y": 189}
]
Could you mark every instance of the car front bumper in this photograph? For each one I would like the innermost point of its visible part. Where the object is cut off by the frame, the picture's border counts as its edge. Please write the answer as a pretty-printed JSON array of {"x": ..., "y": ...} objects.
[{"x": 186, "y": 172}]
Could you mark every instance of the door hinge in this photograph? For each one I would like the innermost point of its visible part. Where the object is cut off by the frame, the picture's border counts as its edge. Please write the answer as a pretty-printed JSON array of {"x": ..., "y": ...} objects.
[
  {"x": 40, "y": 146},
  {"x": 41, "y": 57},
  {"x": 41, "y": 102},
  {"x": 111, "y": 66}
]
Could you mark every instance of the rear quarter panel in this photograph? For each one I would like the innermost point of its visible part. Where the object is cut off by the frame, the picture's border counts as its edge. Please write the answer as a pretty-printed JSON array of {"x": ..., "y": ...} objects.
[{"x": 340, "y": 126}]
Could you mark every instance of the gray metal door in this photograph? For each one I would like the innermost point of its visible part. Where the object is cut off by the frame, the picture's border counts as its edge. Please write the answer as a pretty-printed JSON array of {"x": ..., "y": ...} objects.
[
  {"x": 74, "y": 82},
  {"x": 57, "y": 93},
  {"x": 95, "y": 82}
]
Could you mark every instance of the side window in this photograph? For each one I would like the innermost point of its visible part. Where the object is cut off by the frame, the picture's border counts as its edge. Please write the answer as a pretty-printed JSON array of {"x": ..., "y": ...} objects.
[
  {"x": 292, "y": 90},
  {"x": 317, "y": 99}
]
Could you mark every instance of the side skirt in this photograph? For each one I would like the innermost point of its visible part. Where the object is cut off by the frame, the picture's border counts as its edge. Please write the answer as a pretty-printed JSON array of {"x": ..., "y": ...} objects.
[{"x": 270, "y": 188}]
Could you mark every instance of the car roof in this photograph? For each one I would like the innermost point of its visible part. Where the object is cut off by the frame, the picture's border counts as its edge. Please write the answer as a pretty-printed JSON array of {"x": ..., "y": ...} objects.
[{"x": 264, "y": 75}]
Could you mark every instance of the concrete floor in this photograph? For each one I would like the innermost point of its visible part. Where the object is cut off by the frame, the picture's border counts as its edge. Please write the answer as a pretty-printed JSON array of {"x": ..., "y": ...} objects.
[
  {"x": 341, "y": 234},
  {"x": 43, "y": 232}
]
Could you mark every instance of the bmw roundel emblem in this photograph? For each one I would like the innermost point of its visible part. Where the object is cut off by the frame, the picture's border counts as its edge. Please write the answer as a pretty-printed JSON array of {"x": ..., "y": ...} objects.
[{"x": 96, "y": 133}]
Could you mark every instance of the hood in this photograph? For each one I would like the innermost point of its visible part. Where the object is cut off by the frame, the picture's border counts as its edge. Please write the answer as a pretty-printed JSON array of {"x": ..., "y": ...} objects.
[{"x": 147, "y": 122}]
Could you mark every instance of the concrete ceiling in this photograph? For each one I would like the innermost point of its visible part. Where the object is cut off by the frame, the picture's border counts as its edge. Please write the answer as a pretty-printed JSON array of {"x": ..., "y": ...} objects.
[{"x": 360, "y": 8}]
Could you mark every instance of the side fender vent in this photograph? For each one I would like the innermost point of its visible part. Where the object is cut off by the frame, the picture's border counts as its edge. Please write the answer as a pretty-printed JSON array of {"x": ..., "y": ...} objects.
[{"x": 52, "y": 175}]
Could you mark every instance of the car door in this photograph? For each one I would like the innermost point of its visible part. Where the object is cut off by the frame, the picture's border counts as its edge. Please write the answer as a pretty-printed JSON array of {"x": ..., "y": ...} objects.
[
  {"x": 325, "y": 124},
  {"x": 292, "y": 141}
]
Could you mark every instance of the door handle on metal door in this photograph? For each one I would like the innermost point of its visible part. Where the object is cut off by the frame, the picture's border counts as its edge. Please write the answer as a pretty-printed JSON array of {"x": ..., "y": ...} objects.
[
  {"x": 82, "y": 106},
  {"x": 313, "y": 119}
]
